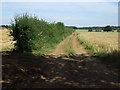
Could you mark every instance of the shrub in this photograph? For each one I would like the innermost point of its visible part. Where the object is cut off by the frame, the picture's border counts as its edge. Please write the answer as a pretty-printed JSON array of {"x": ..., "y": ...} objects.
[
  {"x": 32, "y": 34},
  {"x": 107, "y": 28},
  {"x": 118, "y": 30},
  {"x": 90, "y": 30}
]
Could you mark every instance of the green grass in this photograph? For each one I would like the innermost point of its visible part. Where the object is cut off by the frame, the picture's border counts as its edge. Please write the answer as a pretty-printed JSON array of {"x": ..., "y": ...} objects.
[
  {"x": 69, "y": 50},
  {"x": 46, "y": 49},
  {"x": 81, "y": 30},
  {"x": 37, "y": 35},
  {"x": 90, "y": 47},
  {"x": 7, "y": 49},
  {"x": 107, "y": 58}
]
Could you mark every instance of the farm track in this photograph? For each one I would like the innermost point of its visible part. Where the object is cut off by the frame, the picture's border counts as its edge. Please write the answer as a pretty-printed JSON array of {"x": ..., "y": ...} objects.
[
  {"x": 60, "y": 48},
  {"x": 57, "y": 70}
]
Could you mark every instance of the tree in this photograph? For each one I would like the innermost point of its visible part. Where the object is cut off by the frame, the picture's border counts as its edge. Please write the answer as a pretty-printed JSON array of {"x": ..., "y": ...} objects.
[
  {"x": 90, "y": 29},
  {"x": 73, "y": 27},
  {"x": 6, "y": 26},
  {"x": 107, "y": 28},
  {"x": 118, "y": 30}
]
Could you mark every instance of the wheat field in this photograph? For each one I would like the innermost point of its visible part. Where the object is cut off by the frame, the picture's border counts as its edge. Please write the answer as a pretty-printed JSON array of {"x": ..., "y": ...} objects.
[
  {"x": 6, "y": 41},
  {"x": 105, "y": 40}
]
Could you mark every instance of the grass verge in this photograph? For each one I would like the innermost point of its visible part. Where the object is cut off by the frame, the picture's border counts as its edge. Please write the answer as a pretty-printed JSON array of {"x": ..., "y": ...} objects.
[
  {"x": 111, "y": 59},
  {"x": 7, "y": 49}
]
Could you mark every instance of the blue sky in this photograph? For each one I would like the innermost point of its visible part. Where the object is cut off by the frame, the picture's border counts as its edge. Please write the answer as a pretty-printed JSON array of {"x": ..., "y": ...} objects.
[{"x": 71, "y": 13}]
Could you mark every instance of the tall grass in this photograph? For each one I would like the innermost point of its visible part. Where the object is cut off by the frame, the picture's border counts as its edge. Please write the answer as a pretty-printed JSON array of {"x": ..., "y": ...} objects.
[{"x": 34, "y": 35}]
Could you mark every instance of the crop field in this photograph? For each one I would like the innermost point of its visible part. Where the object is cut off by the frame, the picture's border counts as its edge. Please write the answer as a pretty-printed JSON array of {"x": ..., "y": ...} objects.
[
  {"x": 6, "y": 40},
  {"x": 108, "y": 41},
  {"x": 50, "y": 55},
  {"x": 59, "y": 45}
]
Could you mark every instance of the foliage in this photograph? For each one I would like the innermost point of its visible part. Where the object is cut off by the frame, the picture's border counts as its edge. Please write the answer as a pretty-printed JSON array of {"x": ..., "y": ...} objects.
[
  {"x": 6, "y": 26},
  {"x": 107, "y": 28},
  {"x": 118, "y": 30},
  {"x": 90, "y": 29},
  {"x": 99, "y": 28},
  {"x": 32, "y": 34},
  {"x": 73, "y": 27},
  {"x": 93, "y": 49}
]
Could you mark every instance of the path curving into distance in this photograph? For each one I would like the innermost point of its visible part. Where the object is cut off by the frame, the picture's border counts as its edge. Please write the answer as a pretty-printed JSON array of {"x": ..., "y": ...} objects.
[{"x": 62, "y": 46}]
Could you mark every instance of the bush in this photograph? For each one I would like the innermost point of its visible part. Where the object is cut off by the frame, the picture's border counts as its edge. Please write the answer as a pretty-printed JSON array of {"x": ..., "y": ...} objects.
[
  {"x": 107, "y": 28},
  {"x": 90, "y": 30},
  {"x": 32, "y": 34},
  {"x": 118, "y": 30}
]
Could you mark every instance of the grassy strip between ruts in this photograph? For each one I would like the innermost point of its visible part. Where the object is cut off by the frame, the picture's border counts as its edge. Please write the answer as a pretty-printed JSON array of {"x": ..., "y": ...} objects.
[
  {"x": 107, "y": 58},
  {"x": 69, "y": 50}
]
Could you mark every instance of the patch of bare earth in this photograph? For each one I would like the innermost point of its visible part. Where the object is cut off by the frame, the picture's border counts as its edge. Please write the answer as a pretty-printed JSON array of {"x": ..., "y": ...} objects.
[
  {"x": 79, "y": 49},
  {"x": 57, "y": 70},
  {"x": 60, "y": 48}
]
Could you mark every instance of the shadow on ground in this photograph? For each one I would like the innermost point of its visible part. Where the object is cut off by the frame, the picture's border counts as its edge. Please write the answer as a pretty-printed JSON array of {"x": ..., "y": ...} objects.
[{"x": 32, "y": 71}]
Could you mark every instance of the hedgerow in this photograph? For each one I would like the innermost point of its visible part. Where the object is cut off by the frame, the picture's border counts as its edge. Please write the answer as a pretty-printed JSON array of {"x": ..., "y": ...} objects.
[{"x": 32, "y": 34}]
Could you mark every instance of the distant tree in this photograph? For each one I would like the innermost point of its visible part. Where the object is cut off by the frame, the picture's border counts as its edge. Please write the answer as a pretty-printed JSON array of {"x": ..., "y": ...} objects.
[
  {"x": 118, "y": 30},
  {"x": 107, "y": 28},
  {"x": 113, "y": 30},
  {"x": 7, "y": 26},
  {"x": 73, "y": 27},
  {"x": 90, "y": 29}
]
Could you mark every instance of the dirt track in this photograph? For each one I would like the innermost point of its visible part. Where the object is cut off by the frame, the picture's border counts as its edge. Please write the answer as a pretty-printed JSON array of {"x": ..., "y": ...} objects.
[
  {"x": 58, "y": 70},
  {"x": 60, "y": 48}
]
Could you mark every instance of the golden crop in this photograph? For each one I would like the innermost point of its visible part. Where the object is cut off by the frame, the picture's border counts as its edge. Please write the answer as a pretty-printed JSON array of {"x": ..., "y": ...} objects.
[
  {"x": 6, "y": 41},
  {"x": 108, "y": 41}
]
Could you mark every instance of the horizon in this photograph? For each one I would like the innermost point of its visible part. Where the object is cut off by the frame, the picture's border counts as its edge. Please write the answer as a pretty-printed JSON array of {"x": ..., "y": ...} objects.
[{"x": 77, "y": 26}]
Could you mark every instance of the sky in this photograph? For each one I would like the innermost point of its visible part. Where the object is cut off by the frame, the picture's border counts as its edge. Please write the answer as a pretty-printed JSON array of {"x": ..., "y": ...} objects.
[{"x": 78, "y": 14}]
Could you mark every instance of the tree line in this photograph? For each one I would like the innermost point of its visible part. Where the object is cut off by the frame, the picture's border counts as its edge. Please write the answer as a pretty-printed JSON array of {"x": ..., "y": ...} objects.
[
  {"x": 97, "y": 28},
  {"x": 105, "y": 29},
  {"x": 6, "y": 26}
]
